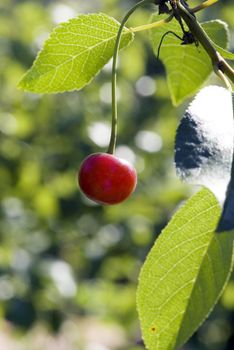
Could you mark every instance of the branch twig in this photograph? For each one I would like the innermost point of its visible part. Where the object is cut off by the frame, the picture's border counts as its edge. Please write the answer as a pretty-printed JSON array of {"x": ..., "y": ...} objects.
[
  {"x": 218, "y": 61},
  {"x": 204, "y": 5}
]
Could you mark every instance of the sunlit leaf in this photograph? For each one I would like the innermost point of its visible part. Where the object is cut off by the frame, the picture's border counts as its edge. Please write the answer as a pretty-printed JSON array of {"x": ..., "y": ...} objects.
[
  {"x": 74, "y": 54},
  {"x": 184, "y": 274}
]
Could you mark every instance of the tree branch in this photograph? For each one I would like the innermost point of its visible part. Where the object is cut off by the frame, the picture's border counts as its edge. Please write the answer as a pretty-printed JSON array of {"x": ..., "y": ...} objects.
[{"x": 218, "y": 61}]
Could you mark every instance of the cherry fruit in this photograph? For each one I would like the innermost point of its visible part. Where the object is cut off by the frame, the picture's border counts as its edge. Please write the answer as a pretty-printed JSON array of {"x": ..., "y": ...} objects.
[{"x": 106, "y": 179}]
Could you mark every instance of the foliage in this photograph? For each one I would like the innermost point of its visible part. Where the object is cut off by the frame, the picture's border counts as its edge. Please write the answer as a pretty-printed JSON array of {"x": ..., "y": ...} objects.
[{"x": 187, "y": 66}]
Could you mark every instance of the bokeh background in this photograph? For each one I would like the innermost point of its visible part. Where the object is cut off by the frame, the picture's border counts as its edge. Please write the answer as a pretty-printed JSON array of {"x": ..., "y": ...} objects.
[{"x": 68, "y": 267}]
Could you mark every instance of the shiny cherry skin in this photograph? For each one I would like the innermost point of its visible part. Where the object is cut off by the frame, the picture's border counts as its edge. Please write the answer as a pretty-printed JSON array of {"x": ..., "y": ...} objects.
[{"x": 106, "y": 179}]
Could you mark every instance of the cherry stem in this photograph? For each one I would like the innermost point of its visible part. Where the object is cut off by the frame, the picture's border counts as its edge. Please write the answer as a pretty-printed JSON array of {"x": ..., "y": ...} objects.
[{"x": 113, "y": 137}]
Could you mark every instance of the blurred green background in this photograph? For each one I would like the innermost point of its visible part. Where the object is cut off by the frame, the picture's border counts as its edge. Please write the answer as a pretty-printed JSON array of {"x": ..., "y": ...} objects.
[{"x": 68, "y": 267}]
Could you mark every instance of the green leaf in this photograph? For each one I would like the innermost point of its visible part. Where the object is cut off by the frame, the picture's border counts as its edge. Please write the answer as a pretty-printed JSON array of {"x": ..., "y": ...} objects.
[
  {"x": 74, "y": 54},
  {"x": 221, "y": 37},
  {"x": 184, "y": 274},
  {"x": 218, "y": 31},
  {"x": 187, "y": 66}
]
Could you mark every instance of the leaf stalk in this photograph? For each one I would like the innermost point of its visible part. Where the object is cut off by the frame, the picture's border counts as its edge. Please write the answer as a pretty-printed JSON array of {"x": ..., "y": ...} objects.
[
  {"x": 152, "y": 25},
  {"x": 204, "y": 5}
]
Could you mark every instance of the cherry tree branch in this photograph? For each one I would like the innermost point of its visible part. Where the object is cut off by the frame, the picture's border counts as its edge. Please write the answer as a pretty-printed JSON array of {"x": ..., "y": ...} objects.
[{"x": 219, "y": 63}]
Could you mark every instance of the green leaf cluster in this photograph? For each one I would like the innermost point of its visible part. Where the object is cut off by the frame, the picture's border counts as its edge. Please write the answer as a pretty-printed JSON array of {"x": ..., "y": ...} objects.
[
  {"x": 78, "y": 49},
  {"x": 187, "y": 66}
]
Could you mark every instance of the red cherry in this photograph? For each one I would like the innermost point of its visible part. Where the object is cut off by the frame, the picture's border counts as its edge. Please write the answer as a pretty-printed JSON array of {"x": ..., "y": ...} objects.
[{"x": 107, "y": 179}]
